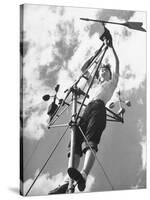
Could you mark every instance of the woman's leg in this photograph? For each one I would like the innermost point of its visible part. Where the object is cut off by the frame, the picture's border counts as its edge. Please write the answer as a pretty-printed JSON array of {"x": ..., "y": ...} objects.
[{"x": 88, "y": 161}]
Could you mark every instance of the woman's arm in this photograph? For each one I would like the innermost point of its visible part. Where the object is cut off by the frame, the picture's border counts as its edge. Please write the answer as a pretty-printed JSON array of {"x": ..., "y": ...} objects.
[
  {"x": 108, "y": 41},
  {"x": 116, "y": 70}
]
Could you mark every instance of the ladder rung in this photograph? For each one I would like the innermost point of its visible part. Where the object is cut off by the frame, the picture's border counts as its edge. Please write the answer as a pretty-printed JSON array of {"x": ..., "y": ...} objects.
[
  {"x": 80, "y": 103},
  {"x": 85, "y": 77}
]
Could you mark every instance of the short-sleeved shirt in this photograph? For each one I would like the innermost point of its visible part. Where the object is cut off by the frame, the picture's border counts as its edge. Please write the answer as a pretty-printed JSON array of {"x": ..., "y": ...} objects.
[{"x": 105, "y": 90}]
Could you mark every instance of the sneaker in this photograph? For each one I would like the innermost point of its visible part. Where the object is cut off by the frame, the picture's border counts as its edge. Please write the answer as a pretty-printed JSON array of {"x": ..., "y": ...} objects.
[
  {"x": 77, "y": 176},
  {"x": 62, "y": 189}
]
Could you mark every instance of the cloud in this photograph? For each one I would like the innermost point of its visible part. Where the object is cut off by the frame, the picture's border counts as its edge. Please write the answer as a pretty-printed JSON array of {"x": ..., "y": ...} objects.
[
  {"x": 143, "y": 146},
  {"x": 58, "y": 48},
  {"x": 51, "y": 44},
  {"x": 45, "y": 183},
  {"x": 141, "y": 128},
  {"x": 34, "y": 125},
  {"x": 141, "y": 174}
]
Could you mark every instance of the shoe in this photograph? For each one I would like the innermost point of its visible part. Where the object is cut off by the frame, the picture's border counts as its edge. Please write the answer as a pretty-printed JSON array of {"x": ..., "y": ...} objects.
[
  {"x": 62, "y": 189},
  {"x": 77, "y": 176}
]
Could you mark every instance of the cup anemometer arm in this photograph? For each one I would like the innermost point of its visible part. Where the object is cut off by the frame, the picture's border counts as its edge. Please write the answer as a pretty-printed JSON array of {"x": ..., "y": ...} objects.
[
  {"x": 106, "y": 37},
  {"x": 53, "y": 107}
]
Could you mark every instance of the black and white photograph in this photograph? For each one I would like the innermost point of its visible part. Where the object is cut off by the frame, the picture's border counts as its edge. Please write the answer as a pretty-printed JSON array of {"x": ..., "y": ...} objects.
[{"x": 83, "y": 75}]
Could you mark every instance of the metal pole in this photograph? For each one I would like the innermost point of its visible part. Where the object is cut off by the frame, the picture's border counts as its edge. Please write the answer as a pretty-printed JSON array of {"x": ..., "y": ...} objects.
[
  {"x": 74, "y": 122},
  {"x": 73, "y": 135}
]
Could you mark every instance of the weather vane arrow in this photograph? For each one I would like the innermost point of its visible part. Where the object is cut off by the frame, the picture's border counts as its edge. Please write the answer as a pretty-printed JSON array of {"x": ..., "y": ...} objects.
[{"x": 132, "y": 25}]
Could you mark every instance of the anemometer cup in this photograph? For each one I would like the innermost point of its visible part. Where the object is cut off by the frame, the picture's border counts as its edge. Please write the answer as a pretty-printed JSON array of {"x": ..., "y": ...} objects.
[
  {"x": 46, "y": 97},
  {"x": 52, "y": 108}
]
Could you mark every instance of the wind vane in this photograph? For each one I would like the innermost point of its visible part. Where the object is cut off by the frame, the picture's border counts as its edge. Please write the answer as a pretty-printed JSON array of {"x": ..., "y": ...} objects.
[{"x": 132, "y": 25}]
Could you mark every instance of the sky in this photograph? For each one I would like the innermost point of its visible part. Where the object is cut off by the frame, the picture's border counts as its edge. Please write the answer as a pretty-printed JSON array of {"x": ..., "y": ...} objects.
[{"x": 56, "y": 43}]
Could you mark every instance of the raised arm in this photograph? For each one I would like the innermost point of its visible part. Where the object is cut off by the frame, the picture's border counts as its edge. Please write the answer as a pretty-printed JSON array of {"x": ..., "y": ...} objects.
[
  {"x": 108, "y": 42},
  {"x": 116, "y": 70}
]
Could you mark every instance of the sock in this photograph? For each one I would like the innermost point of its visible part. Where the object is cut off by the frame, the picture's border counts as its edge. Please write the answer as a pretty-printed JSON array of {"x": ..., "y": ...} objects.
[
  {"x": 84, "y": 174},
  {"x": 66, "y": 179}
]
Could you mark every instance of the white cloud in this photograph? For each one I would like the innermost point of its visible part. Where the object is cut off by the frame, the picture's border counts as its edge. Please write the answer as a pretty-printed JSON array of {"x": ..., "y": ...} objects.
[
  {"x": 64, "y": 80},
  {"x": 143, "y": 155},
  {"x": 140, "y": 101},
  {"x": 140, "y": 128},
  {"x": 42, "y": 33},
  {"x": 141, "y": 179},
  {"x": 33, "y": 128},
  {"x": 39, "y": 27},
  {"x": 45, "y": 183}
]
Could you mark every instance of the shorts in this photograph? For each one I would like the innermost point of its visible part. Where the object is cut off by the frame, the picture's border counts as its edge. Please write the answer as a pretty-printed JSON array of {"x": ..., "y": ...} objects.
[{"x": 92, "y": 123}]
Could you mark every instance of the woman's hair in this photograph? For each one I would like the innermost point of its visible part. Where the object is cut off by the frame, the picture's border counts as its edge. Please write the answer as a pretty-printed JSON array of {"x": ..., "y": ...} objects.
[{"x": 107, "y": 66}]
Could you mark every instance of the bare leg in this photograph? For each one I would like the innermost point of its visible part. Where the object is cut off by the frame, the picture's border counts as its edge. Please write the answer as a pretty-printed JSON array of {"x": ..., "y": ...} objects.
[
  {"x": 80, "y": 178},
  {"x": 88, "y": 161}
]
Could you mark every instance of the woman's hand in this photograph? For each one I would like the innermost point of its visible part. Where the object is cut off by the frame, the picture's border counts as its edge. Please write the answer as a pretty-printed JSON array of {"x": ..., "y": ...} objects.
[{"x": 107, "y": 38}]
